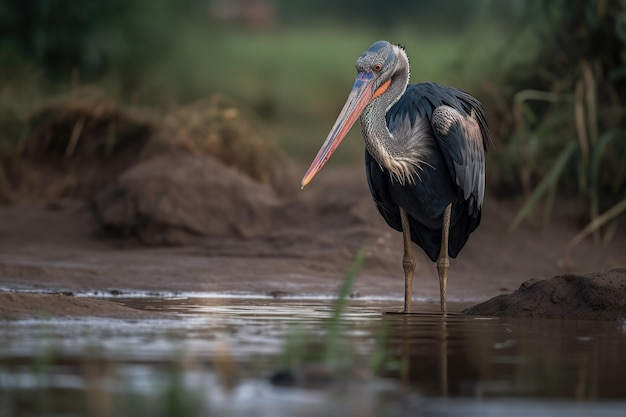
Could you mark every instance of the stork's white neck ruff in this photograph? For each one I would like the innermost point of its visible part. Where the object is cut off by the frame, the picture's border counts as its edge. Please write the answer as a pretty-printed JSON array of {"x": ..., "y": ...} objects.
[{"x": 403, "y": 158}]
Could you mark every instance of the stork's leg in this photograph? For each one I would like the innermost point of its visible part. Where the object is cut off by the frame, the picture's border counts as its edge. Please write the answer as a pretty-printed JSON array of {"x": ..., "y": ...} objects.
[
  {"x": 443, "y": 263},
  {"x": 407, "y": 261}
]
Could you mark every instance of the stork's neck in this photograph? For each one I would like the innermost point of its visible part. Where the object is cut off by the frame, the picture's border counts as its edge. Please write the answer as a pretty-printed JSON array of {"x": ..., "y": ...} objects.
[{"x": 380, "y": 143}]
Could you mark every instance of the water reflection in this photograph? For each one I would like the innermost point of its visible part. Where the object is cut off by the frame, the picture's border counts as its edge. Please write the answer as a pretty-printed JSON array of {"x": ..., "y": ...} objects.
[
  {"x": 221, "y": 354},
  {"x": 480, "y": 357}
]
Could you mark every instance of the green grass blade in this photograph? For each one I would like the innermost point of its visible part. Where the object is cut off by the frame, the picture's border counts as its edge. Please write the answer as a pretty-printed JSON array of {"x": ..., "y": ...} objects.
[{"x": 333, "y": 332}]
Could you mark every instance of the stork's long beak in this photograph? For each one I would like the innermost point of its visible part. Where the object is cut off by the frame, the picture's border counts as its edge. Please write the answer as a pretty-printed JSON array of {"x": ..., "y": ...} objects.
[{"x": 361, "y": 95}]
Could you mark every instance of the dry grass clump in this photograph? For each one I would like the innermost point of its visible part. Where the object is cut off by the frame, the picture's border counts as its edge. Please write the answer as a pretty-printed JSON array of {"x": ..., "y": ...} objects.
[
  {"x": 70, "y": 146},
  {"x": 76, "y": 144},
  {"x": 85, "y": 123},
  {"x": 220, "y": 127}
]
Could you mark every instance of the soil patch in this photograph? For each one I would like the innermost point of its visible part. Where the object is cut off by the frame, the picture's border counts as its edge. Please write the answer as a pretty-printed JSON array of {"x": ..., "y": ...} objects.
[{"x": 15, "y": 306}]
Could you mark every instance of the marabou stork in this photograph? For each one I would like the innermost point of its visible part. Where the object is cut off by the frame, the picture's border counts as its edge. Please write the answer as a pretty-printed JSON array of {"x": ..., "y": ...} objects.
[{"x": 424, "y": 156}]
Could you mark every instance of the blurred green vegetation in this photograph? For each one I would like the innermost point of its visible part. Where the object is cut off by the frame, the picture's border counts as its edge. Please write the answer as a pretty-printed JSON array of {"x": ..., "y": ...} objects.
[
  {"x": 294, "y": 73},
  {"x": 551, "y": 75},
  {"x": 568, "y": 131}
]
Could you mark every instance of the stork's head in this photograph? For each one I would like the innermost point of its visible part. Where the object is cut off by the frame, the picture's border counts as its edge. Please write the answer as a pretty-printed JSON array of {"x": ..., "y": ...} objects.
[
  {"x": 379, "y": 63},
  {"x": 376, "y": 71}
]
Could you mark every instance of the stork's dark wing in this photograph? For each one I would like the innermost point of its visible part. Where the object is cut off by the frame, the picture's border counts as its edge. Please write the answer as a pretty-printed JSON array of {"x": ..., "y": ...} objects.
[{"x": 459, "y": 125}]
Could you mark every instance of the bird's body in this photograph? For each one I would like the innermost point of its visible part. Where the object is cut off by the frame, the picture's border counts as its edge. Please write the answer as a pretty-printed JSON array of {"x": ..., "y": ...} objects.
[
  {"x": 426, "y": 198},
  {"x": 425, "y": 150}
]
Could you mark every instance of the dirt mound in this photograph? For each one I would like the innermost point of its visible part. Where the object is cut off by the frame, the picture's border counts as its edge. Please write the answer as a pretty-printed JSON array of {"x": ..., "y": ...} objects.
[
  {"x": 595, "y": 296},
  {"x": 179, "y": 199}
]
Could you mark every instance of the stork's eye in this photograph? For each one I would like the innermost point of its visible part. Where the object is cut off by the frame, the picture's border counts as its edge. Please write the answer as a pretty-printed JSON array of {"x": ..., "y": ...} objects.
[{"x": 377, "y": 67}]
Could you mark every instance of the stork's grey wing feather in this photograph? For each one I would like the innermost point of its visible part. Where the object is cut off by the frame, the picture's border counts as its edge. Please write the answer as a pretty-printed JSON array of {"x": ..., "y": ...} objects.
[{"x": 462, "y": 144}]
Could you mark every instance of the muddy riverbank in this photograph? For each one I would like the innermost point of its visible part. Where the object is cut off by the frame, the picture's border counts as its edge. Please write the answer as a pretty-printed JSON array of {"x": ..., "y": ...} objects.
[{"x": 306, "y": 246}]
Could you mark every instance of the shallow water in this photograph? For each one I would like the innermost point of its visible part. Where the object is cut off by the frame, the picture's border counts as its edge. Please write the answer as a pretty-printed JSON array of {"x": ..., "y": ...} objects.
[{"x": 271, "y": 357}]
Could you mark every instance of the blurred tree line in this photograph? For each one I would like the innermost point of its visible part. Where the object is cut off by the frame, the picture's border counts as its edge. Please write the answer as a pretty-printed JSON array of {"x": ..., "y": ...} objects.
[
  {"x": 93, "y": 36},
  {"x": 448, "y": 15},
  {"x": 90, "y": 36}
]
